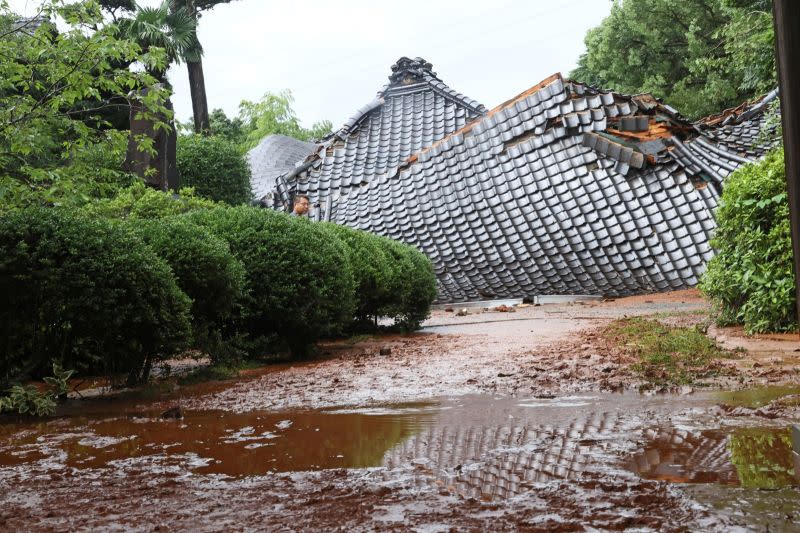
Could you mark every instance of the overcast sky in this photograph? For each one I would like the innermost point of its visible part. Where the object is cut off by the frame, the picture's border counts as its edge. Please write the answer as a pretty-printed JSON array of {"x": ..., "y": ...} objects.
[{"x": 334, "y": 56}]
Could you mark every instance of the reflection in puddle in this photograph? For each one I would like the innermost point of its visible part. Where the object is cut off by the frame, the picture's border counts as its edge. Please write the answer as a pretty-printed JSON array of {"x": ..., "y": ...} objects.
[
  {"x": 476, "y": 446},
  {"x": 748, "y": 457},
  {"x": 501, "y": 462},
  {"x": 755, "y": 397},
  {"x": 763, "y": 457},
  {"x": 497, "y": 450}
]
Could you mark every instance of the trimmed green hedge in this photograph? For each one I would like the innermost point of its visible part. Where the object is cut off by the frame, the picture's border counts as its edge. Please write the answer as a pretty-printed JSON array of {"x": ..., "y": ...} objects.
[
  {"x": 215, "y": 169},
  {"x": 392, "y": 279},
  {"x": 115, "y": 296},
  {"x": 204, "y": 268},
  {"x": 85, "y": 293},
  {"x": 751, "y": 278},
  {"x": 299, "y": 279},
  {"x": 372, "y": 270},
  {"x": 143, "y": 202},
  {"x": 412, "y": 285}
]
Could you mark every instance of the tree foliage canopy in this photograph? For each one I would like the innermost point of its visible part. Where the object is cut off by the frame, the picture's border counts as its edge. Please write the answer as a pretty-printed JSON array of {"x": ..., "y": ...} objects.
[
  {"x": 55, "y": 85},
  {"x": 231, "y": 129},
  {"x": 173, "y": 30},
  {"x": 274, "y": 114},
  {"x": 701, "y": 56}
]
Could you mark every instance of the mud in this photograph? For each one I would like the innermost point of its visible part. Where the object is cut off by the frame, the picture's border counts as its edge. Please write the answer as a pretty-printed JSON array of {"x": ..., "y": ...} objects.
[
  {"x": 489, "y": 421},
  {"x": 478, "y": 461},
  {"x": 552, "y": 349}
]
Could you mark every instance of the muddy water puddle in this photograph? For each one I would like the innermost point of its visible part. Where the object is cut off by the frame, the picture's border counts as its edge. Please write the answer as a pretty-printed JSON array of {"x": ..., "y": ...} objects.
[
  {"x": 476, "y": 446},
  {"x": 760, "y": 396},
  {"x": 582, "y": 459},
  {"x": 218, "y": 442},
  {"x": 539, "y": 438}
]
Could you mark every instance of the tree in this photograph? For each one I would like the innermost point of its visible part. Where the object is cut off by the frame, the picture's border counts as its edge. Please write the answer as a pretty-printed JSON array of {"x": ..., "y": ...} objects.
[
  {"x": 115, "y": 7},
  {"x": 49, "y": 79},
  {"x": 274, "y": 114},
  {"x": 230, "y": 129},
  {"x": 197, "y": 84},
  {"x": 173, "y": 30},
  {"x": 701, "y": 56},
  {"x": 751, "y": 278}
]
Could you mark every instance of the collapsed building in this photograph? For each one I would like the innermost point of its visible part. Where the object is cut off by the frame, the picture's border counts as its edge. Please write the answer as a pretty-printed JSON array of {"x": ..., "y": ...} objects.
[{"x": 564, "y": 189}]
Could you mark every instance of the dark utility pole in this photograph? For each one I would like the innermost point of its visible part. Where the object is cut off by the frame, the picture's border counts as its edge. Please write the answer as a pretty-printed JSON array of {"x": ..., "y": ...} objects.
[{"x": 786, "y": 15}]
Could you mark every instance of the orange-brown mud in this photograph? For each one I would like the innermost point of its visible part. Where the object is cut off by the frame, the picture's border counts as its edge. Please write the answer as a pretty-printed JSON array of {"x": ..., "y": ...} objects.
[{"x": 495, "y": 421}]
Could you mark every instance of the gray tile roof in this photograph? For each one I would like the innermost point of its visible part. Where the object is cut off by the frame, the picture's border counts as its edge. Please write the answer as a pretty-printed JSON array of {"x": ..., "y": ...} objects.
[
  {"x": 273, "y": 156},
  {"x": 414, "y": 110},
  {"x": 564, "y": 189}
]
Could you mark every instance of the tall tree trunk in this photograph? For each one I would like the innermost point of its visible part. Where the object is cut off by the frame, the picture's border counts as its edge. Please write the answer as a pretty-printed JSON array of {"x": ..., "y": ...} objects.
[{"x": 197, "y": 88}]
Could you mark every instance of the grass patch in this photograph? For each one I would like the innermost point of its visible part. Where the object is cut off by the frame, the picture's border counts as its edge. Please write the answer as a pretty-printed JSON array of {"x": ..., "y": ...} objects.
[
  {"x": 760, "y": 396},
  {"x": 218, "y": 372},
  {"x": 667, "y": 355},
  {"x": 355, "y": 339},
  {"x": 671, "y": 314}
]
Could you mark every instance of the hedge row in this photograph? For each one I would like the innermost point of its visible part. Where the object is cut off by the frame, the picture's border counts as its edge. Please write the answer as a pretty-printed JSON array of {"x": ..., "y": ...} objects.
[
  {"x": 116, "y": 296},
  {"x": 392, "y": 279},
  {"x": 86, "y": 293},
  {"x": 300, "y": 284}
]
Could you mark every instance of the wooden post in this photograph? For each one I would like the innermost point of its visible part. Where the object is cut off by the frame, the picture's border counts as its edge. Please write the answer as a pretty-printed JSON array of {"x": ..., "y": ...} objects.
[{"x": 786, "y": 17}]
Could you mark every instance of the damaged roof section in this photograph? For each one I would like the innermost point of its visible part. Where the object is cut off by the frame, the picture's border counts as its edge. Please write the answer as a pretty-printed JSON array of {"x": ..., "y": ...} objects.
[
  {"x": 749, "y": 130},
  {"x": 274, "y": 156},
  {"x": 414, "y": 110},
  {"x": 565, "y": 189}
]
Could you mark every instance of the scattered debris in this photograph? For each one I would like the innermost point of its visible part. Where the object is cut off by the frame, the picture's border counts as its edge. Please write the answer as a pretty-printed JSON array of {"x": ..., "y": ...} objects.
[{"x": 175, "y": 413}]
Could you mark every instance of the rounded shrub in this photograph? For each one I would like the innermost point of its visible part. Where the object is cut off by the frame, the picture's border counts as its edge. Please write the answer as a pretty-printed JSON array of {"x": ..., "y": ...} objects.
[
  {"x": 371, "y": 268},
  {"x": 204, "y": 268},
  {"x": 299, "y": 280},
  {"x": 214, "y": 168},
  {"x": 86, "y": 293},
  {"x": 412, "y": 284},
  {"x": 751, "y": 278}
]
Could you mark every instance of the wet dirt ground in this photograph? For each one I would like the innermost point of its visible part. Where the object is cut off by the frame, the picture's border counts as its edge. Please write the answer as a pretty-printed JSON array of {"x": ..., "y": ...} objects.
[{"x": 488, "y": 421}]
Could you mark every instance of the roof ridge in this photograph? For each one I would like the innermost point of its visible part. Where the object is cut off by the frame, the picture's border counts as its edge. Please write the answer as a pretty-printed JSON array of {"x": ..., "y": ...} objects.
[
  {"x": 405, "y": 70},
  {"x": 524, "y": 94},
  {"x": 409, "y": 73}
]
